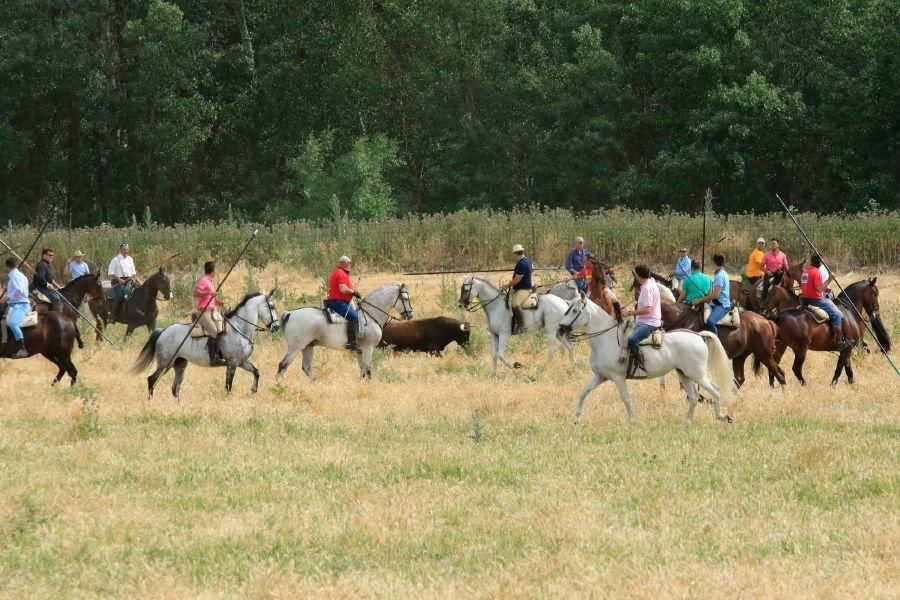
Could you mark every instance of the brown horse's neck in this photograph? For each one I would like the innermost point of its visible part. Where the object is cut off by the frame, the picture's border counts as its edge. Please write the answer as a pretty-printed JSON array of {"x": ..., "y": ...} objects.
[
  {"x": 76, "y": 289},
  {"x": 679, "y": 316}
]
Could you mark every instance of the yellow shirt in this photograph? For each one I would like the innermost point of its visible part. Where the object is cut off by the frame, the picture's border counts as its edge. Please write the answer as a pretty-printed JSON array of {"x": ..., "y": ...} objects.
[{"x": 753, "y": 269}]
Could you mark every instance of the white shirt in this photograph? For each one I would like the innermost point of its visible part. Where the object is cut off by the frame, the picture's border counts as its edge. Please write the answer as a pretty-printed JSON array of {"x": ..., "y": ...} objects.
[
  {"x": 121, "y": 266},
  {"x": 17, "y": 287},
  {"x": 824, "y": 271}
]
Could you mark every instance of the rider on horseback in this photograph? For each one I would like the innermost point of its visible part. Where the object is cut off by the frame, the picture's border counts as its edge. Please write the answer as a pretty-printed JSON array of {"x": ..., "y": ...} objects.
[
  {"x": 647, "y": 315},
  {"x": 122, "y": 272},
  {"x": 811, "y": 288},
  {"x": 340, "y": 296},
  {"x": 696, "y": 285},
  {"x": 43, "y": 279},
  {"x": 719, "y": 297},
  {"x": 17, "y": 292},
  {"x": 206, "y": 294},
  {"x": 521, "y": 284}
]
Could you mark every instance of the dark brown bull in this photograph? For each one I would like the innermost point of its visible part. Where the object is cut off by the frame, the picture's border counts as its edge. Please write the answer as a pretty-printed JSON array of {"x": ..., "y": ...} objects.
[{"x": 430, "y": 335}]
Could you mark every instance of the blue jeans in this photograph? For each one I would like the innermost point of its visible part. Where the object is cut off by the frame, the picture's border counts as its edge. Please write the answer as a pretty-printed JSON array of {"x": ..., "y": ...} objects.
[
  {"x": 345, "y": 309},
  {"x": 53, "y": 296},
  {"x": 581, "y": 284},
  {"x": 834, "y": 315},
  {"x": 14, "y": 316},
  {"x": 640, "y": 333},
  {"x": 718, "y": 311}
]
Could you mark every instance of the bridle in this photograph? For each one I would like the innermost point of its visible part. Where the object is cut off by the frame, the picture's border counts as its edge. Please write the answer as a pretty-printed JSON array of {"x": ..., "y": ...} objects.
[
  {"x": 402, "y": 294},
  {"x": 580, "y": 337},
  {"x": 465, "y": 298},
  {"x": 253, "y": 324}
]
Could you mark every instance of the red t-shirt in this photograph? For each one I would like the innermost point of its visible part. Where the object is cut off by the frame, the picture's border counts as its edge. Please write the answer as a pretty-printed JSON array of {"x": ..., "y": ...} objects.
[
  {"x": 809, "y": 283},
  {"x": 586, "y": 272},
  {"x": 339, "y": 276}
]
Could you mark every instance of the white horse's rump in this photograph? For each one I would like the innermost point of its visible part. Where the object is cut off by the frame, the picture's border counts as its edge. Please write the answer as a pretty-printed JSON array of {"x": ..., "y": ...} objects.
[
  {"x": 236, "y": 345},
  {"x": 305, "y": 328},
  {"x": 546, "y": 316},
  {"x": 690, "y": 354}
]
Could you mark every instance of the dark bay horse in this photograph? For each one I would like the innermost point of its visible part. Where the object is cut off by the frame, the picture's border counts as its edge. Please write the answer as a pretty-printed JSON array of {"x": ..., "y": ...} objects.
[
  {"x": 140, "y": 309},
  {"x": 53, "y": 338},
  {"x": 799, "y": 331},
  {"x": 755, "y": 336},
  {"x": 75, "y": 292},
  {"x": 750, "y": 299}
]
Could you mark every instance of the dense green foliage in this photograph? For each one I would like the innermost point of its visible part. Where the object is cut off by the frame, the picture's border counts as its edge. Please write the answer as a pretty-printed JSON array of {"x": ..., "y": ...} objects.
[{"x": 371, "y": 108}]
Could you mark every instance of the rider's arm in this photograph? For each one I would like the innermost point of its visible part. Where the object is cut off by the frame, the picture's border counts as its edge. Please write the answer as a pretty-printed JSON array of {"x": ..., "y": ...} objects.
[
  {"x": 825, "y": 283},
  {"x": 644, "y": 310},
  {"x": 513, "y": 281},
  {"x": 714, "y": 292},
  {"x": 345, "y": 289},
  {"x": 681, "y": 294}
]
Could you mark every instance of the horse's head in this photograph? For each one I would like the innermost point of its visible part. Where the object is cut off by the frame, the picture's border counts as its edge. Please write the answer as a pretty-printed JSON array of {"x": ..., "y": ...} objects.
[
  {"x": 465, "y": 292},
  {"x": 403, "y": 304},
  {"x": 864, "y": 294},
  {"x": 159, "y": 281},
  {"x": 266, "y": 311},
  {"x": 573, "y": 315},
  {"x": 791, "y": 275},
  {"x": 93, "y": 288},
  {"x": 772, "y": 295}
]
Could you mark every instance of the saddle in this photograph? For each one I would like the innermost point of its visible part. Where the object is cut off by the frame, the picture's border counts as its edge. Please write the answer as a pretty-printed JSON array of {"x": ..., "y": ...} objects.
[
  {"x": 39, "y": 297},
  {"x": 818, "y": 315},
  {"x": 654, "y": 340},
  {"x": 30, "y": 320},
  {"x": 731, "y": 319},
  {"x": 218, "y": 320},
  {"x": 332, "y": 317}
]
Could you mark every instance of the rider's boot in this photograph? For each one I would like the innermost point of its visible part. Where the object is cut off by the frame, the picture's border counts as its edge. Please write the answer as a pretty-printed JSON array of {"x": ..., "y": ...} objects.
[
  {"x": 839, "y": 341},
  {"x": 518, "y": 324},
  {"x": 212, "y": 347},
  {"x": 351, "y": 337},
  {"x": 636, "y": 367},
  {"x": 21, "y": 352},
  {"x": 117, "y": 308}
]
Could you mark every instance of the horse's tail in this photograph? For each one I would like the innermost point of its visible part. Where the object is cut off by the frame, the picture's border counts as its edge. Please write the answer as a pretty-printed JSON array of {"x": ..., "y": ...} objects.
[
  {"x": 757, "y": 365},
  {"x": 148, "y": 353},
  {"x": 719, "y": 365}
]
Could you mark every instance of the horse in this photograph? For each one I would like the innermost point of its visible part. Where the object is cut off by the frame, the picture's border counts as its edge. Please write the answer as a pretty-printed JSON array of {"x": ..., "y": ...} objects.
[
  {"x": 140, "y": 309},
  {"x": 750, "y": 299},
  {"x": 53, "y": 338},
  {"x": 75, "y": 292},
  {"x": 236, "y": 344},
  {"x": 308, "y": 327},
  {"x": 689, "y": 354},
  {"x": 799, "y": 331},
  {"x": 756, "y": 335},
  {"x": 549, "y": 311}
]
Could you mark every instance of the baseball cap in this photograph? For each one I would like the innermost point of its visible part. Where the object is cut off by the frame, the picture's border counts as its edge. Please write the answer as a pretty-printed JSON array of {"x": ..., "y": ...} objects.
[
  {"x": 758, "y": 240},
  {"x": 345, "y": 258}
]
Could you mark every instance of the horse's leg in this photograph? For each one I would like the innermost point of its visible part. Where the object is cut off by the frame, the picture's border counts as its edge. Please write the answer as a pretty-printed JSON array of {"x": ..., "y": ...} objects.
[
  {"x": 229, "y": 377},
  {"x": 693, "y": 396},
  {"x": 72, "y": 371},
  {"x": 571, "y": 348},
  {"x": 178, "y": 366},
  {"x": 289, "y": 357},
  {"x": 709, "y": 386},
  {"x": 622, "y": 386},
  {"x": 308, "y": 361},
  {"x": 495, "y": 342},
  {"x": 128, "y": 330},
  {"x": 799, "y": 359},
  {"x": 843, "y": 361},
  {"x": 365, "y": 362},
  {"x": 59, "y": 364},
  {"x": 151, "y": 380},
  {"x": 587, "y": 389},
  {"x": 849, "y": 370},
  {"x": 737, "y": 364},
  {"x": 248, "y": 366},
  {"x": 78, "y": 336},
  {"x": 502, "y": 340}
]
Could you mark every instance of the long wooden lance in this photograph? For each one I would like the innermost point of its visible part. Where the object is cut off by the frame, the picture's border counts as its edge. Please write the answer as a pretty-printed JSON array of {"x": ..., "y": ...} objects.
[
  {"x": 203, "y": 310},
  {"x": 852, "y": 305},
  {"x": 63, "y": 298}
]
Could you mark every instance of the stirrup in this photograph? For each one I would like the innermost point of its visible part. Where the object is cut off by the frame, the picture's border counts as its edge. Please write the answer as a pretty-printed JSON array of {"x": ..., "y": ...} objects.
[{"x": 353, "y": 347}]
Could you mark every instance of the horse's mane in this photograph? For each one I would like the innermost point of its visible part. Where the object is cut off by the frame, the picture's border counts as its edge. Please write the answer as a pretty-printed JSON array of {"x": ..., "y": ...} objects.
[
  {"x": 663, "y": 280},
  {"x": 80, "y": 277},
  {"x": 244, "y": 301}
]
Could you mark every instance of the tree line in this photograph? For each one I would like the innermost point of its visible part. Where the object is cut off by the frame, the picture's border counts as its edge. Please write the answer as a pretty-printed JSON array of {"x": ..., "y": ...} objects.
[{"x": 276, "y": 109}]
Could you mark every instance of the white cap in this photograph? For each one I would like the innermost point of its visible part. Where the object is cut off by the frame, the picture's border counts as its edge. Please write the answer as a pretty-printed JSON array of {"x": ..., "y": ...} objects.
[
  {"x": 758, "y": 240},
  {"x": 345, "y": 258},
  {"x": 518, "y": 248}
]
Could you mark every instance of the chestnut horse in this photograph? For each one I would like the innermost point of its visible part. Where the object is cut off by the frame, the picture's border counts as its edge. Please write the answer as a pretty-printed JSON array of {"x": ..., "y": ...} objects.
[
  {"x": 799, "y": 331},
  {"x": 75, "y": 292},
  {"x": 53, "y": 338},
  {"x": 750, "y": 300}
]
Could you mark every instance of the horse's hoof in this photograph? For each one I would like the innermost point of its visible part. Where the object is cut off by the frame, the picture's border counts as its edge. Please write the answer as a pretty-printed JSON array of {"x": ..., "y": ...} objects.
[
  {"x": 517, "y": 365},
  {"x": 728, "y": 419},
  {"x": 80, "y": 345}
]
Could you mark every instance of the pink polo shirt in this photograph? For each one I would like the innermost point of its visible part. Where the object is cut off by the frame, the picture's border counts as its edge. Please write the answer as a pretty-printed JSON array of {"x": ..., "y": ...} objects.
[
  {"x": 774, "y": 262},
  {"x": 649, "y": 296},
  {"x": 206, "y": 286}
]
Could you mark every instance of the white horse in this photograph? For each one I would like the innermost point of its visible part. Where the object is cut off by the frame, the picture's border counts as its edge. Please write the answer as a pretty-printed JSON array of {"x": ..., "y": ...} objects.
[
  {"x": 547, "y": 315},
  {"x": 689, "y": 354},
  {"x": 307, "y": 327},
  {"x": 567, "y": 290},
  {"x": 236, "y": 345}
]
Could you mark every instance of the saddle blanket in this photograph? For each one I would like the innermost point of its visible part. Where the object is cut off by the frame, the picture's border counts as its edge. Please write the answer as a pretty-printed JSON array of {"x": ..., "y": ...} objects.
[
  {"x": 218, "y": 319},
  {"x": 732, "y": 319},
  {"x": 818, "y": 315},
  {"x": 39, "y": 297},
  {"x": 30, "y": 320}
]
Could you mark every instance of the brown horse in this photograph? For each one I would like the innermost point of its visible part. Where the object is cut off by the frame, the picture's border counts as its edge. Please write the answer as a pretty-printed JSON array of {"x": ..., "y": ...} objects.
[
  {"x": 750, "y": 299},
  {"x": 140, "y": 309},
  {"x": 755, "y": 336},
  {"x": 799, "y": 331},
  {"x": 75, "y": 291},
  {"x": 53, "y": 338}
]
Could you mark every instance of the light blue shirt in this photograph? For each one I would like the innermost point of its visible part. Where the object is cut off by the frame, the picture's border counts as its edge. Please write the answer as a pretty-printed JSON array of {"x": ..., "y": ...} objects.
[
  {"x": 721, "y": 279},
  {"x": 683, "y": 267},
  {"x": 78, "y": 270},
  {"x": 17, "y": 288}
]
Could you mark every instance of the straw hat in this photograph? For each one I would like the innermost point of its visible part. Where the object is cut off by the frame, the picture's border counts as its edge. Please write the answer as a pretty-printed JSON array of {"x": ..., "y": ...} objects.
[
  {"x": 579, "y": 240},
  {"x": 78, "y": 254},
  {"x": 518, "y": 248}
]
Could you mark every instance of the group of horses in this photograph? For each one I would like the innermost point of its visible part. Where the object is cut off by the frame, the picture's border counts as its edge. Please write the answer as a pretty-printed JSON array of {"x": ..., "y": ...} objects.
[{"x": 772, "y": 321}]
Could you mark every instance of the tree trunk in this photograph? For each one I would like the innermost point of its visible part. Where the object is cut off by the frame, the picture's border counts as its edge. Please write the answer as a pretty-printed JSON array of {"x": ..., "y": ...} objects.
[{"x": 246, "y": 41}]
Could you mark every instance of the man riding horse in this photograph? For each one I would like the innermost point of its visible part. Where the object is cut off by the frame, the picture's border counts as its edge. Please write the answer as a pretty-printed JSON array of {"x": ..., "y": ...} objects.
[
  {"x": 340, "y": 296},
  {"x": 18, "y": 305},
  {"x": 521, "y": 285},
  {"x": 43, "y": 281},
  {"x": 206, "y": 294},
  {"x": 811, "y": 288},
  {"x": 122, "y": 273}
]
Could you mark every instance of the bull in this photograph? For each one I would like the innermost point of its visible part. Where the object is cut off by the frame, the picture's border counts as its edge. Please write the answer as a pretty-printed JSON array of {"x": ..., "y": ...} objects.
[{"x": 429, "y": 335}]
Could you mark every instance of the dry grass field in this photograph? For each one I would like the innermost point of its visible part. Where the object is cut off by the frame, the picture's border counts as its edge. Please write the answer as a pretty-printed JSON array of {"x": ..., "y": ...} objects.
[{"x": 435, "y": 480}]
